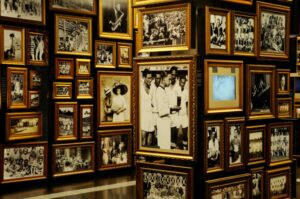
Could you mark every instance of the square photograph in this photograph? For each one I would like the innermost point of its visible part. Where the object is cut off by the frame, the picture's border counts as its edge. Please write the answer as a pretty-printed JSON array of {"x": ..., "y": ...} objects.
[
  {"x": 105, "y": 52},
  {"x": 64, "y": 68}
]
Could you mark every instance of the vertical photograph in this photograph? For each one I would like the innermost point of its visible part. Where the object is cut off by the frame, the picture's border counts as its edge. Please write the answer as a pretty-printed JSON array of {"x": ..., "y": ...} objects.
[
  {"x": 256, "y": 144},
  {"x": 86, "y": 129},
  {"x": 37, "y": 48}
]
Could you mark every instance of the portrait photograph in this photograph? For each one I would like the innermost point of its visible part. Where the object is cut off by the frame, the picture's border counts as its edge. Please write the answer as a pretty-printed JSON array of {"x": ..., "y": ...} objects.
[
  {"x": 85, "y": 88},
  {"x": 74, "y": 158},
  {"x": 284, "y": 107},
  {"x": 114, "y": 149},
  {"x": 257, "y": 183},
  {"x": 279, "y": 183},
  {"x": 114, "y": 98},
  {"x": 256, "y": 144},
  {"x": 73, "y": 35},
  {"x": 283, "y": 81},
  {"x": 35, "y": 79},
  {"x": 86, "y": 129},
  {"x": 83, "y": 67},
  {"x": 62, "y": 90},
  {"x": 24, "y": 162},
  {"x": 124, "y": 55},
  {"x": 33, "y": 99},
  {"x": 88, "y": 7},
  {"x": 37, "y": 48},
  {"x": 105, "y": 54},
  {"x": 12, "y": 46},
  {"x": 64, "y": 68}
]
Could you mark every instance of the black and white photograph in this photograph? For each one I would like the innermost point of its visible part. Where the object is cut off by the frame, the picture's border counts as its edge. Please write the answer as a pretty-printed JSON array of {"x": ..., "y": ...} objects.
[
  {"x": 298, "y": 51},
  {"x": 34, "y": 99},
  {"x": 86, "y": 121},
  {"x": 213, "y": 147},
  {"x": 66, "y": 121},
  {"x": 235, "y": 145},
  {"x": 256, "y": 144},
  {"x": 35, "y": 79},
  {"x": 84, "y": 88},
  {"x": 244, "y": 35},
  {"x": 105, "y": 54},
  {"x": 261, "y": 92},
  {"x": 278, "y": 186},
  {"x": 83, "y": 67},
  {"x": 229, "y": 191},
  {"x": 280, "y": 143},
  {"x": 17, "y": 88},
  {"x": 218, "y": 31},
  {"x": 62, "y": 90},
  {"x": 13, "y": 39},
  {"x": 257, "y": 184},
  {"x": 64, "y": 68},
  {"x": 37, "y": 48},
  {"x": 74, "y": 6}
]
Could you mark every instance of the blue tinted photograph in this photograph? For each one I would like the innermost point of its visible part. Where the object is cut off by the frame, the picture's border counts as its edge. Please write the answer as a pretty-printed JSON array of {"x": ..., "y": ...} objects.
[{"x": 224, "y": 88}]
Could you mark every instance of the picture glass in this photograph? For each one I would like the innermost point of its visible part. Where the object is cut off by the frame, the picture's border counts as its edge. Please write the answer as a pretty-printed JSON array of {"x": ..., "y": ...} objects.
[
  {"x": 278, "y": 186},
  {"x": 12, "y": 42},
  {"x": 66, "y": 121},
  {"x": 244, "y": 34},
  {"x": 235, "y": 147},
  {"x": 74, "y": 5},
  {"x": 26, "y": 125},
  {"x": 224, "y": 88},
  {"x": 84, "y": 68},
  {"x": 218, "y": 31},
  {"x": 214, "y": 147},
  {"x": 261, "y": 93},
  {"x": 124, "y": 55},
  {"x": 256, "y": 145},
  {"x": 17, "y": 88},
  {"x": 104, "y": 53},
  {"x": 84, "y": 87},
  {"x": 65, "y": 67},
  {"x": 284, "y": 108},
  {"x": 62, "y": 90},
  {"x": 257, "y": 183},
  {"x": 37, "y": 47},
  {"x": 229, "y": 191},
  {"x": 86, "y": 122},
  {"x": 282, "y": 84},
  {"x": 34, "y": 99},
  {"x": 280, "y": 143}
]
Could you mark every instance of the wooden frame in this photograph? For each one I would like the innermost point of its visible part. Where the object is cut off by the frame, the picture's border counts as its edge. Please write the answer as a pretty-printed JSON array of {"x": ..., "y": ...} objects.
[
  {"x": 276, "y": 173},
  {"x": 284, "y": 107},
  {"x": 35, "y": 79},
  {"x": 20, "y": 90},
  {"x": 31, "y": 102},
  {"x": 283, "y": 81},
  {"x": 64, "y": 62},
  {"x": 124, "y": 64},
  {"x": 78, "y": 145},
  {"x": 257, "y": 183},
  {"x": 263, "y": 7},
  {"x": 34, "y": 54},
  {"x": 61, "y": 45},
  {"x": 102, "y": 51},
  {"x": 221, "y": 104},
  {"x": 146, "y": 169},
  {"x": 71, "y": 7},
  {"x": 148, "y": 46},
  {"x": 88, "y": 93},
  {"x": 224, "y": 46},
  {"x": 83, "y": 67},
  {"x": 86, "y": 120},
  {"x": 64, "y": 87},
  {"x": 73, "y": 124},
  {"x": 25, "y": 132},
  {"x": 42, "y": 157},
  {"x": 256, "y": 75},
  {"x": 9, "y": 50},
  {"x": 137, "y": 3},
  {"x": 121, "y": 134}
]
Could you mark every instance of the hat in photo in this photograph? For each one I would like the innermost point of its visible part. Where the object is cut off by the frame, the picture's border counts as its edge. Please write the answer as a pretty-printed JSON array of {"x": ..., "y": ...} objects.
[
  {"x": 121, "y": 86},
  {"x": 107, "y": 90}
]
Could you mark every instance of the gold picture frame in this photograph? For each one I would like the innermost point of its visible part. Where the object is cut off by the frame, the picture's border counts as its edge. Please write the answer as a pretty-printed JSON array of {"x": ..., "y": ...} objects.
[
  {"x": 84, "y": 88},
  {"x": 105, "y": 54},
  {"x": 124, "y": 59},
  {"x": 283, "y": 81},
  {"x": 83, "y": 67},
  {"x": 284, "y": 172},
  {"x": 33, "y": 99},
  {"x": 62, "y": 90},
  {"x": 64, "y": 68},
  {"x": 284, "y": 107},
  {"x": 70, "y": 6},
  {"x": 138, "y": 3},
  {"x": 37, "y": 53},
  {"x": 243, "y": 2},
  {"x": 86, "y": 128}
]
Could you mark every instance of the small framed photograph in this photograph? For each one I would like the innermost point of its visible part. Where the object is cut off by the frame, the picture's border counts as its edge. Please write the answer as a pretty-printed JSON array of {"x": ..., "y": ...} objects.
[
  {"x": 37, "y": 48},
  {"x": 65, "y": 121},
  {"x": 172, "y": 32},
  {"x": 15, "y": 156},
  {"x": 87, "y": 7},
  {"x": 62, "y": 90},
  {"x": 283, "y": 81},
  {"x": 114, "y": 98},
  {"x": 213, "y": 146},
  {"x": 176, "y": 178},
  {"x": 35, "y": 79},
  {"x": 297, "y": 89},
  {"x": 73, "y": 158},
  {"x": 83, "y": 67},
  {"x": 217, "y": 31},
  {"x": 73, "y": 35},
  {"x": 21, "y": 126},
  {"x": 105, "y": 52},
  {"x": 284, "y": 107},
  {"x": 86, "y": 128},
  {"x": 17, "y": 88},
  {"x": 260, "y": 88},
  {"x": 279, "y": 183},
  {"x": 224, "y": 86},
  {"x": 280, "y": 143},
  {"x": 124, "y": 55},
  {"x": 114, "y": 149},
  {"x": 257, "y": 185},
  {"x": 244, "y": 35},
  {"x": 256, "y": 137},
  {"x": 85, "y": 88},
  {"x": 298, "y": 51},
  {"x": 12, "y": 46},
  {"x": 115, "y": 19},
  {"x": 297, "y": 111},
  {"x": 33, "y": 99},
  {"x": 273, "y": 30},
  {"x": 64, "y": 68}
]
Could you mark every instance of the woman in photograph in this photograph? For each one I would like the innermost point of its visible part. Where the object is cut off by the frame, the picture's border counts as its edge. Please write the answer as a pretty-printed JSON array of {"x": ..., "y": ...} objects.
[{"x": 119, "y": 105}]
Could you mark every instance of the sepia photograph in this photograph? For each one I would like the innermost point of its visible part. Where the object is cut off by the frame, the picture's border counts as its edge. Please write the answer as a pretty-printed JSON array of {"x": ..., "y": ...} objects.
[
  {"x": 86, "y": 129},
  {"x": 35, "y": 79},
  {"x": 62, "y": 90},
  {"x": 85, "y": 88},
  {"x": 105, "y": 54},
  {"x": 257, "y": 185},
  {"x": 284, "y": 107},
  {"x": 83, "y": 67},
  {"x": 279, "y": 183},
  {"x": 124, "y": 55},
  {"x": 283, "y": 81},
  {"x": 64, "y": 68},
  {"x": 256, "y": 144},
  {"x": 33, "y": 99},
  {"x": 74, "y": 6},
  {"x": 37, "y": 48}
]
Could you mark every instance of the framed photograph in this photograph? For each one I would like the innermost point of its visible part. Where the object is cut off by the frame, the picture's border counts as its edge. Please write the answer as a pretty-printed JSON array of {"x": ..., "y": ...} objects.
[
  {"x": 83, "y": 67},
  {"x": 284, "y": 107},
  {"x": 257, "y": 183},
  {"x": 298, "y": 51},
  {"x": 65, "y": 121},
  {"x": 213, "y": 146},
  {"x": 86, "y": 128},
  {"x": 12, "y": 46},
  {"x": 124, "y": 55},
  {"x": 114, "y": 98},
  {"x": 244, "y": 35},
  {"x": 166, "y": 97},
  {"x": 87, "y": 7},
  {"x": 64, "y": 68},
  {"x": 283, "y": 81},
  {"x": 256, "y": 137},
  {"x": 237, "y": 186},
  {"x": 21, "y": 126},
  {"x": 234, "y": 142},
  {"x": 137, "y": 3},
  {"x": 35, "y": 79},
  {"x": 37, "y": 48},
  {"x": 297, "y": 89},
  {"x": 85, "y": 88},
  {"x": 260, "y": 88},
  {"x": 280, "y": 143},
  {"x": 217, "y": 23},
  {"x": 297, "y": 111},
  {"x": 164, "y": 28},
  {"x": 105, "y": 52},
  {"x": 279, "y": 183},
  {"x": 115, "y": 19},
  {"x": 224, "y": 87},
  {"x": 33, "y": 99},
  {"x": 176, "y": 178},
  {"x": 73, "y": 35},
  {"x": 17, "y": 88},
  {"x": 73, "y": 158},
  {"x": 273, "y": 30},
  {"x": 62, "y": 90},
  {"x": 114, "y": 149},
  {"x": 13, "y": 158}
]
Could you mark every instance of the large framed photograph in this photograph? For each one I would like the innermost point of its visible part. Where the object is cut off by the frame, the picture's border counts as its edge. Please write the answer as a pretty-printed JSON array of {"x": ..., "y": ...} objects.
[
  {"x": 73, "y": 158},
  {"x": 114, "y": 149},
  {"x": 65, "y": 121},
  {"x": 280, "y": 143},
  {"x": 86, "y": 128},
  {"x": 33, "y": 99},
  {"x": 105, "y": 54},
  {"x": 137, "y": 3},
  {"x": 284, "y": 107},
  {"x": 114, "y": 98},
  {"x": 115, "y": 19},
  {"x": 257, "y": 183},
  {"x": 165, "y": 105},
  {"x": 88, "y": 7},
  {"x": 83, "y": 67},
  {"x": 124, "y": 55},
  {"x": 224, "y": 86},
  {"x": 73, "y": 35},
  {"x": 85, "y": 88},
  {"x": 273, "y": 30},
  {"x": 164, "y": 28},
  {"x": 23, "y": 162},
  {"x": 283, "y": 81},
  {"x": 21, "y": 126},
  {"x": 37, "y": 48},
  {"x": 261, "y": 91},
  {"x": 62, "y": 90},
  {"x": 256, "y": 137},
  {"x": 170, "y": 181},
  {"x": 278, "y": 183},
  {"x": 64, "y": 68},
  {"x": 35, "y": 79},
  {"x": 217, "y": 38},
  {"x": 12, "y": 46},
  {"x": 17, "y": 88}
]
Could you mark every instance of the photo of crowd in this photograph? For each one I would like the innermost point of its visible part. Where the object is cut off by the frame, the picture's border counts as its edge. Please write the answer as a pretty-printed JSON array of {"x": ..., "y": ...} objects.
[
  {"x": 64, "y": 68},
  {"x": 218, "y": 31},
  {"x": 66, "y": 121},
  {"x": 12, "y": 42},
  {"x": 104, "y": 54},
  {"x": 84, "y": 88},
  {"x": 17, "y": 88},
  {"x": 235, "y": 148},
  {"x": 233, "y": 192},
  {"x": 214, "y": 144},
  {"x": 261, "y": 92},
  {"x": 78, "y": 5},
  {"x": 280, "y": 143},
  {"x": 244, "y": 34},
  {"x": 256, "y": 145},
  {"x": 278, "y": 186},
  {"x": 63, "y": 90}
]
